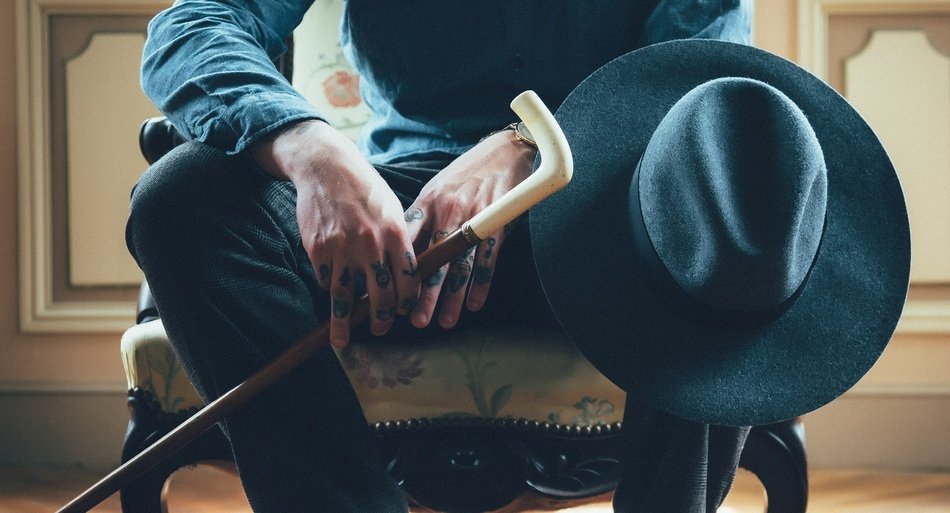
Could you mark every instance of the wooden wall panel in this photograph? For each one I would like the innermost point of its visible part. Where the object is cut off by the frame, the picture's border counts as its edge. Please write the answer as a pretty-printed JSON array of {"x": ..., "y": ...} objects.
[
  {"x": 103, "y": 115},
  {"x": 901, "y": 84},
  {"x": 77, "y": 158}
]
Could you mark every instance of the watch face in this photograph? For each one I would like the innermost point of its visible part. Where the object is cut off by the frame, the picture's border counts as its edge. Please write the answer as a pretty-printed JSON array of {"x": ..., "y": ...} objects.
[{"x": 524, "y": 134}]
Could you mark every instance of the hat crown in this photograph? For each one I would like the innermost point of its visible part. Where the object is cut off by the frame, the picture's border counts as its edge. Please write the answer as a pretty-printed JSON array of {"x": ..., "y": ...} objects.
[{"x": 733, "y": 192}]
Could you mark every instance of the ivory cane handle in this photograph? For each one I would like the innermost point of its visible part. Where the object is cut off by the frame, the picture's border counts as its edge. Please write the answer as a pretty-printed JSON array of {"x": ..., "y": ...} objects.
[{"x": 555, "y": 171}]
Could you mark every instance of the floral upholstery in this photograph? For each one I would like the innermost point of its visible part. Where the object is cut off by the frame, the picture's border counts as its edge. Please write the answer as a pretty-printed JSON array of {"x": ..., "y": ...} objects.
[
  {"x": 322, "y": 73},
  {"x": 151, "y": 365},
  {"x": 488, "y": 373}
]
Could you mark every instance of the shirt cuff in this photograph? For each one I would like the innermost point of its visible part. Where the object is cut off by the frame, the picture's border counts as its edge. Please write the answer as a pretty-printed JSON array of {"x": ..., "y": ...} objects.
[{"x": 254, "y": 116}]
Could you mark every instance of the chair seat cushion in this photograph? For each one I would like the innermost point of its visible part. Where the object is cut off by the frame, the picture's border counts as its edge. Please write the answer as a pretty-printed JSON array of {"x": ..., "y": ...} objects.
[{"x": 512, "y": 373}]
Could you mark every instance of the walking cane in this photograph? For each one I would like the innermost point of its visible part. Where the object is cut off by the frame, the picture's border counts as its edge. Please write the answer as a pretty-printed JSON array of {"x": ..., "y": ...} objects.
[{"x": 554, "y": 173}]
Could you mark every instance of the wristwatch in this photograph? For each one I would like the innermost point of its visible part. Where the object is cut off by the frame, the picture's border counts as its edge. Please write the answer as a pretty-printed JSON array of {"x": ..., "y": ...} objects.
[{"x": 522, "y": 133}]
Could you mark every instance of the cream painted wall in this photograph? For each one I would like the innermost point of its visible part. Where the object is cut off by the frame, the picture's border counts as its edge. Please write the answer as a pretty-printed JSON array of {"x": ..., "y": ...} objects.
[
  {"x": 44, "y": 379},
  {"x": 62, "y": 396},
  {"x": 897, "y": 416},
  {"x": 774, "y": 26}
]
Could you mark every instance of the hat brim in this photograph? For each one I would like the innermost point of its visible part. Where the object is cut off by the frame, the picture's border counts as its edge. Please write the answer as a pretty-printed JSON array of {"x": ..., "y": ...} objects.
[{"x": 709, "y": 372}]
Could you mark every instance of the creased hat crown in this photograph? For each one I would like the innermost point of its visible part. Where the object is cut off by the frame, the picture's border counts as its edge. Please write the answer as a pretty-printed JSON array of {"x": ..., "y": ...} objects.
[{"x": 732, "y": 190}]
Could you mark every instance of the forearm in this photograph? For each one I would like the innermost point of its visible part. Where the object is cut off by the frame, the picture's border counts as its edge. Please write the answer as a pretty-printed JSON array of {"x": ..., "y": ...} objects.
[{"x": 207, "y": 65}]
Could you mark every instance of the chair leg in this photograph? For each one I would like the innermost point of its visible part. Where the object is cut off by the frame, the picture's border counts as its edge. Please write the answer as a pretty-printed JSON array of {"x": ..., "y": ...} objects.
[
  {"x": 147, "y": 493},
  {"x": 775, "y": 453}
]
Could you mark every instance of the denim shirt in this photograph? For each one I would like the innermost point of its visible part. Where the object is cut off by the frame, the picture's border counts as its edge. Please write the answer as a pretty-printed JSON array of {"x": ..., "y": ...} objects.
[{"x": 437, "y": 75}]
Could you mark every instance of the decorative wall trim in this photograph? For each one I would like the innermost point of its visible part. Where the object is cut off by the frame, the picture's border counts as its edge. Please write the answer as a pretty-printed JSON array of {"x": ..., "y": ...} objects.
[
  {"x": 901, "y": 390},
  {"x": 925, "y": 316},
  {"x": 920, "y": 315},
  {"x": 813, "y": 23},
  {"x": 39, "y": 309}
]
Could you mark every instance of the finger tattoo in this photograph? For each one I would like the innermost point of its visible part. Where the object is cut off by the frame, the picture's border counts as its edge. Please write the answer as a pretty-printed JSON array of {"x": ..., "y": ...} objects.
[
  {"x": 491, "y": 247},
  {"x": 413, "y": 214},
  {"x": 324, "y": 272},
  {"x": 384, "y": 314},
  {"x": 459, "y": 273},
  {"x": 341, "y": 307},
  {"x": 345, "y": 277},
  {"x": 412, "y": 265},
  {"x": 436, "y": 279},
  {"x": 457, "y": 280},
  {"x": 382, "y": 274}
]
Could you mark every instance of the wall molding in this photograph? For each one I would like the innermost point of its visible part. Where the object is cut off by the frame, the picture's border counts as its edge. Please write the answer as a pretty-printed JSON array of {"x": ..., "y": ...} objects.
[
  {"x": 925, "y": 316},
  {"x": 813, "y": 23},
  {"x": 900, "y": 390},
  {"x": 39, "y": 310},
  {"x": 920, "y": 316}
]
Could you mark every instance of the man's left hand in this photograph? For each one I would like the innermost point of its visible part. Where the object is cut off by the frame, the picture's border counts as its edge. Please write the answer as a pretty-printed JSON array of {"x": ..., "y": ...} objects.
[{"x": 465, "y": 187}]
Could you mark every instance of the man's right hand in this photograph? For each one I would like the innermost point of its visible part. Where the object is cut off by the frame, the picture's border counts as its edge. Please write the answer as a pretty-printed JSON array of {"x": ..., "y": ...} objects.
[{"x": 351, "y": 223}]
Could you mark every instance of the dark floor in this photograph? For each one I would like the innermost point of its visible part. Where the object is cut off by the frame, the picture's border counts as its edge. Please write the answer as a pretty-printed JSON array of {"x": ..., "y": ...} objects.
[{"x": 207, "y": 490}]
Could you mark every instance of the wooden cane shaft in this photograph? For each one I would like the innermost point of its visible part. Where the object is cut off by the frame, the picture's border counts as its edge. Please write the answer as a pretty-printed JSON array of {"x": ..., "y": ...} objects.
[
  {"x": 555, "y": 172},
  {"x": 427, "y": 263}
]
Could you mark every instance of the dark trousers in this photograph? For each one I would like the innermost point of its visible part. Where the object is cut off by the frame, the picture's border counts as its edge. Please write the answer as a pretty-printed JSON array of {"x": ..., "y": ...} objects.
[{"x": 219, "y": 244}]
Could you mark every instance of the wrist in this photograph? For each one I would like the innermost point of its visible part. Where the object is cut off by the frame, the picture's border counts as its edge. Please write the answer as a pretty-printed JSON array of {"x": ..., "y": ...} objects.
[
  {"x": 519, "y": 131},
  {"x": 286, "y": 151}
]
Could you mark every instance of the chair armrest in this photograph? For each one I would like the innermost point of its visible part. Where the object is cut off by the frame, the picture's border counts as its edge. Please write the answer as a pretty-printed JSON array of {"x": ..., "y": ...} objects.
[
  {"x": 146, "y": 310},
  {"x": 158, "y": 136}
]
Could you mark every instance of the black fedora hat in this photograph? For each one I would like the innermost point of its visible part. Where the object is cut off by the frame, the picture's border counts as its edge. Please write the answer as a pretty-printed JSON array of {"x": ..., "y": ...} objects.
[{"x": 734, "y": 247}]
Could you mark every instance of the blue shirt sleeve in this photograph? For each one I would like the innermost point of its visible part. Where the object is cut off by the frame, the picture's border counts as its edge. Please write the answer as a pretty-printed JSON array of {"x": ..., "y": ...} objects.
[
  {"x": 207, "y": 65},
  {"x": 728, "y": 20}
]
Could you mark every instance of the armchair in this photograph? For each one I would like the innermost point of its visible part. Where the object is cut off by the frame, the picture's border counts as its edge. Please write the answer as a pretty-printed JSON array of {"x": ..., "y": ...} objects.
[
  {"x": 461, "y": 424},
  {"x": 468, "y": 423}
]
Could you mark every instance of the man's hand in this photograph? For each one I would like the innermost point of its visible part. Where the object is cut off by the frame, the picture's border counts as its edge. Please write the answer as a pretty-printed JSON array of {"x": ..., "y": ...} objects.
[
  {"x": 461, "y": 190},
  {"x": 351, "y": 224}
]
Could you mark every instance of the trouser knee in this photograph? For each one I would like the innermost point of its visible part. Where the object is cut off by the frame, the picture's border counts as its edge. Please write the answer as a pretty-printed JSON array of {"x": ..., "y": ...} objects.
[{"x": 173, "y": 196}]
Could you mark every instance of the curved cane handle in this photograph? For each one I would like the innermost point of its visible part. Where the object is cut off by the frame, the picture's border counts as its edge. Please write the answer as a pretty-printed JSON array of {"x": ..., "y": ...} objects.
[{"x": 555, "y": 171}]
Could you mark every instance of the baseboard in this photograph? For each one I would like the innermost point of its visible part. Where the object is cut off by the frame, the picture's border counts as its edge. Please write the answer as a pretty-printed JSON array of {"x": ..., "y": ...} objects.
[
  {"x": 55, "y": 426},
  {"x": 111, "y": 388}
]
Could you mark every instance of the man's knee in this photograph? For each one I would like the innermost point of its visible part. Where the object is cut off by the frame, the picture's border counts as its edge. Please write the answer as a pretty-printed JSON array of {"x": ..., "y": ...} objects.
[{"x": 170, "y": 196}]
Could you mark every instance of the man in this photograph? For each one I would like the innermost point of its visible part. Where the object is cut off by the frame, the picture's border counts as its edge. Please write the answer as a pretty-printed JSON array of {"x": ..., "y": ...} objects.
[{"x": 273, "y": 222}]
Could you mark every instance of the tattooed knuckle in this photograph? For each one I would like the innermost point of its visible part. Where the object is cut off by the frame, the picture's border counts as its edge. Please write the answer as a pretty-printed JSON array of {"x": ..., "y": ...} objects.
[
  {"x": 340, "y": 306},
  {"x": 381, "y": 274},
  {"x": 323, "y": 273},
  {"x": 456, "y": 281},
  {"x": 345, "y": 280}
]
